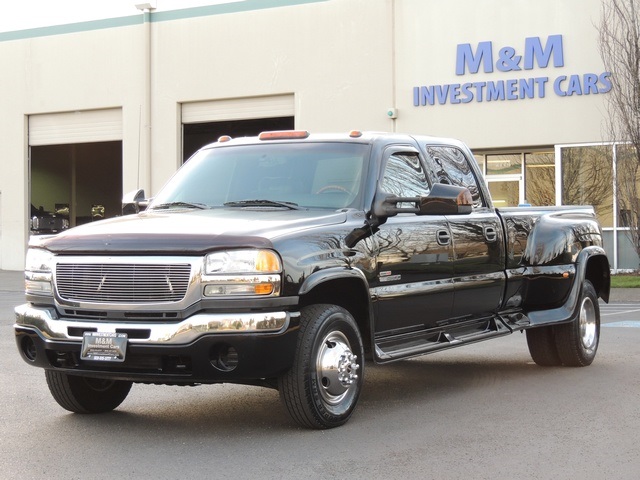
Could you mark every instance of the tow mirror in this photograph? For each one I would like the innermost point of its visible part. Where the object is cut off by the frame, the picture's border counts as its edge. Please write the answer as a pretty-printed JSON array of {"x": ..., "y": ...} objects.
[
  {"x": 134, "y": 202},
  {"x": 442, "y": 200},
  {"x": 446, "y": 200}
]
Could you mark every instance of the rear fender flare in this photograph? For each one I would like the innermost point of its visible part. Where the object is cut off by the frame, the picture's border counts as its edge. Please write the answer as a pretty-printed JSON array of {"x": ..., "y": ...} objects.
[{"x": 569, "y": 310}]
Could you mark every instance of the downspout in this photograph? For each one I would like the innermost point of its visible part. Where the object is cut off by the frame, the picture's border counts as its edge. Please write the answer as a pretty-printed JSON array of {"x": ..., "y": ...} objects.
[
  {"x": 393, "y": 66},
  {"x": 144, "y": 154}
]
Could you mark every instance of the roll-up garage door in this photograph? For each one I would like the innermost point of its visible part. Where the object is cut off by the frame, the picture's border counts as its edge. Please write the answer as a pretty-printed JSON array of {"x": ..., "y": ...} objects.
[
  {"x": 75, "y": 127},
  {"x": 238, "y": 109}
]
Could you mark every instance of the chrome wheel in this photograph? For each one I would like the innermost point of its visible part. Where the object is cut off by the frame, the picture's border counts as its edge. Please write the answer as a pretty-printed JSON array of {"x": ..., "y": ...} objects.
[
  {"x": 336, "y": 368},
  {"x": 322, "y": 387},
  {"x": 588, "y": 324}
]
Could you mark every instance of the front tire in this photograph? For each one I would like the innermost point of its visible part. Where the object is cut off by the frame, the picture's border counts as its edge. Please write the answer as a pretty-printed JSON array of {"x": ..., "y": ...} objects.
[
  {"x": 86, "y": 395},
  {"x": 322, "y": 387}
]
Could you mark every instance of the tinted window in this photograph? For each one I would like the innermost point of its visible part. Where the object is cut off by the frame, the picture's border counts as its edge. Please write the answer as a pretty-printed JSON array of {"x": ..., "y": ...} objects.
[
  {"x": 452, "y": 168},
  {"x": 404, "y": 176}
]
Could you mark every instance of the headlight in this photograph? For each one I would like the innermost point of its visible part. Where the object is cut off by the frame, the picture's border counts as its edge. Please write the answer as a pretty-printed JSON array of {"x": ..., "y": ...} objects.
[
  {"x": 38, "y": 271},
  {"x": 242, "y": 273},
  {"x": 242, "y": 261}
]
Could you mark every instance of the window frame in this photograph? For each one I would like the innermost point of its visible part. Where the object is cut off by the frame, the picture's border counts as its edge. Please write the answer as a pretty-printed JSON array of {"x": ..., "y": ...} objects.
[{"x": 473, "y": 169}]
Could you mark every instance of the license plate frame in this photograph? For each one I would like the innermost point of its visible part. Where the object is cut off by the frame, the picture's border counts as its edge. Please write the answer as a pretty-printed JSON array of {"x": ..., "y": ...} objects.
[{"x": 104, "y": 346}]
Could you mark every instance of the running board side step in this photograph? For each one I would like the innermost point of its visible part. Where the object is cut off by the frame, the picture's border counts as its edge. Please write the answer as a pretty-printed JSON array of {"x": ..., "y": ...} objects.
[{"x": 405, "y": 345}]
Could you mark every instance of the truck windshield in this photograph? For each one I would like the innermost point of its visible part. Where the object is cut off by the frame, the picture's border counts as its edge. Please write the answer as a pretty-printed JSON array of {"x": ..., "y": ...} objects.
[{"x": 291, "y": 175}]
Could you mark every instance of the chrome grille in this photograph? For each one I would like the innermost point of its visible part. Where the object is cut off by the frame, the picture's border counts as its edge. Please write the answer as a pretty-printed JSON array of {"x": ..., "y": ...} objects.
[{"x": 122, "y": 283}]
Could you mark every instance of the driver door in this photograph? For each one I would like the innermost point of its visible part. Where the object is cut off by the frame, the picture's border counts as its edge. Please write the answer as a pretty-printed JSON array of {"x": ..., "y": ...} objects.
[{"x": 413, "y": 287}]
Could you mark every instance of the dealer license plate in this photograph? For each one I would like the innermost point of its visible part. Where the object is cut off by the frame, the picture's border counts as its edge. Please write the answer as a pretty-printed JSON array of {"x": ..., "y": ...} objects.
[{"x": 104, "y": 346}]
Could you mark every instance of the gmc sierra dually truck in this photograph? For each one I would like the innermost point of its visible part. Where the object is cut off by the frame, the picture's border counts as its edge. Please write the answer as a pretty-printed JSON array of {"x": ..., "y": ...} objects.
[{"x": 285, "y": 260}]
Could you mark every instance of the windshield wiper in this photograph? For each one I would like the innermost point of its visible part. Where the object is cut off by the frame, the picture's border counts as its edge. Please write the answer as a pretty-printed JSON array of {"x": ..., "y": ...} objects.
[
  {"x": 263, "y": 203},
  {"x": 199, "y": 206}
]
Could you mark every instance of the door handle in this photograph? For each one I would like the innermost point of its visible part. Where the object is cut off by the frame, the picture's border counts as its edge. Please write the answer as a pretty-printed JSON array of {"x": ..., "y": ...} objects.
[
  {"x": 490, "y": 234},
  {"x": 443, "y": 237}
]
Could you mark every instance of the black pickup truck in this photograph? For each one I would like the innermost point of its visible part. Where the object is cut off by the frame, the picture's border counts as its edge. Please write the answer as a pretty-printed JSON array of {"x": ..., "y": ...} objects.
[{"x": 285, "y": 260}]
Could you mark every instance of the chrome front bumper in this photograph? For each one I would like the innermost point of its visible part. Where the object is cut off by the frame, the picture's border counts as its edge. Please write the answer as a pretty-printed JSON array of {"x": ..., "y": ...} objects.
[{"x": 50, "y": 327}]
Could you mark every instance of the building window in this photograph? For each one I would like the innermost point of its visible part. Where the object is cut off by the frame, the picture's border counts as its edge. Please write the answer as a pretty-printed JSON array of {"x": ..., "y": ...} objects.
[
  {"x": 573, "y": 175},
  {"x": 504, "y": 176},
  {"x": 540, "y": 178},
  {"x": 509, "y": 164},
  {"x": 627, "y": 185},
  {"x": 480, "y": 161},
  {"x": 505, "y": 193},
  {"x": 587, "y": 179}
]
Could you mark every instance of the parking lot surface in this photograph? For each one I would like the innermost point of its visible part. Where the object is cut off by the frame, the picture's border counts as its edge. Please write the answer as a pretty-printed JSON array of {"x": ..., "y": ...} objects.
[{"x": 482, "y": 412}]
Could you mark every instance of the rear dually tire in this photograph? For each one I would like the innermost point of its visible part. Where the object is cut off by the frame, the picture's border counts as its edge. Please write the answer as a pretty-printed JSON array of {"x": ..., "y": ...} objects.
[{"x": 80, "y": 394}]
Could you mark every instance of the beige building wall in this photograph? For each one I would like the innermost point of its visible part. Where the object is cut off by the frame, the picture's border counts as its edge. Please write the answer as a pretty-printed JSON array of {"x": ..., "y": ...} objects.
[
  {"x": 427, "y": 37},
  {"x": 62, "y": 73},
  {"x": 334, "y": 57},
  {"x": 346, "y": 63}
]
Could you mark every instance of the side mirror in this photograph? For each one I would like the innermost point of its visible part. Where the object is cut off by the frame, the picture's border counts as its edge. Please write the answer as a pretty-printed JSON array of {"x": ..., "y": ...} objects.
[
  {"x": 134, "y": 202},
  {"x": 442, "y": 200},
  {"x": 446, "y": 200}
]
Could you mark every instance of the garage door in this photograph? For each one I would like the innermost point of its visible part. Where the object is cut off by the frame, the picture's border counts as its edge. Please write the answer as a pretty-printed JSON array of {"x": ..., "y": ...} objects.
[
  {"x": 75, "y": 127},
  {"x": 238, "y": 109}
]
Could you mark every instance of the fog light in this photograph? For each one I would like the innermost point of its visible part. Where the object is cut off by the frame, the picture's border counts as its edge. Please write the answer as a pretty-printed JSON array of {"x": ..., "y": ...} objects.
[
  {"x": 29, "y": 348},
  {"x": 223, "y": 357}
]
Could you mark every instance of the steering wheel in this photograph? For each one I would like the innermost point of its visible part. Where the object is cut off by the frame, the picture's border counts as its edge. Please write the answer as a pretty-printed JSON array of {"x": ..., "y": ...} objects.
[{"x": 337, "y": 188}]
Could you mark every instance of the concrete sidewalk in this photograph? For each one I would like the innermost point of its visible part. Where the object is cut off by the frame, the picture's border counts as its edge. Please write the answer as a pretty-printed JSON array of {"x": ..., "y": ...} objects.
[
  {"x": 625, "y": 295},
  {"x": 12, "y": 281}
]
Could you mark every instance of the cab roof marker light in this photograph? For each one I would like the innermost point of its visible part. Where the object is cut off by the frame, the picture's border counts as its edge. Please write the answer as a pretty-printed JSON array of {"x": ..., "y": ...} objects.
[
  {"x": 355, "y": 133},
  {"x": 283, "y": 134},
  {"x": 224, "y": 138}
]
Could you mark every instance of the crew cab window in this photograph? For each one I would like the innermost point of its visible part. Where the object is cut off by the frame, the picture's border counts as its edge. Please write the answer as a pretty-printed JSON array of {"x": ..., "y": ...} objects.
[
  {"x": 404, "y": 176},
  {"x": 452, "y": 168}
]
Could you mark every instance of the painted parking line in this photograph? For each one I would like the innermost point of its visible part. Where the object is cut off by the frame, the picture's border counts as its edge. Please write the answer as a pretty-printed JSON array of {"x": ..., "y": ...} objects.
[
  {"x": 621, "y": 312},
  {"x": 620, "y": 307},
  {"x": 614, "y": 306},
  {"x": 623, "y": 324}
]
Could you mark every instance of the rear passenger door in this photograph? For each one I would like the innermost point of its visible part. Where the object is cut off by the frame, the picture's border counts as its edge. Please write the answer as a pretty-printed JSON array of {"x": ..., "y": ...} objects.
[
  {"x": 478, "y": 243},
  {"x": 413, "y": 287}
]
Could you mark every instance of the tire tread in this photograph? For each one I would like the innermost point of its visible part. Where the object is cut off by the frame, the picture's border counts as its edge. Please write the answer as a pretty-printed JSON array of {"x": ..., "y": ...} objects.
[
  {"x": 542, "y": 347},
  {"x": 74, "y": 394},
  {"x": 295, "y": 386}
]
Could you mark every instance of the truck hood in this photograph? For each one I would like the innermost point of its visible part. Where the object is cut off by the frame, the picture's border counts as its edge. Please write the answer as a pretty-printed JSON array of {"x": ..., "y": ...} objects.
[{"x": 187, "y": 231}]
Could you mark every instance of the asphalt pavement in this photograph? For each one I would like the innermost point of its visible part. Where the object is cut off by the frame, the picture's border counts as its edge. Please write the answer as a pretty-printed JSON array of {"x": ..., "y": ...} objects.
[
  {"x": 485, "y": 411},
  {"x": 11, "y": 281}
]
